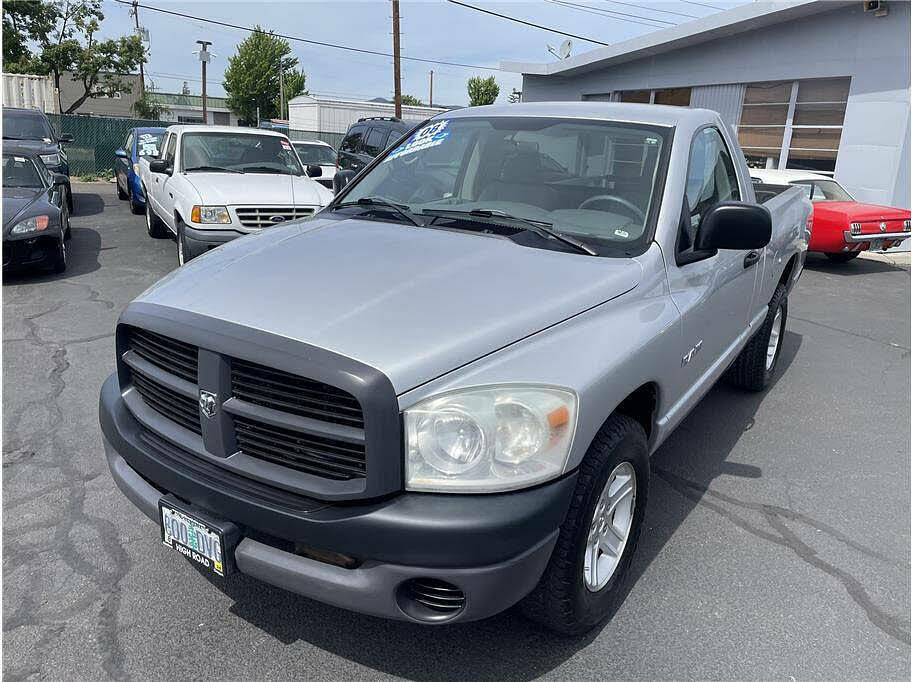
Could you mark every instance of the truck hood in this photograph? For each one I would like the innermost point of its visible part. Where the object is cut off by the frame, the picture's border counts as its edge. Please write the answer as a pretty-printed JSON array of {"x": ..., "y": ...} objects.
[
  {"x": 857, "y": 212},
  {"x": 224, "y": 189},
  {"x": 412, "y": 302}
]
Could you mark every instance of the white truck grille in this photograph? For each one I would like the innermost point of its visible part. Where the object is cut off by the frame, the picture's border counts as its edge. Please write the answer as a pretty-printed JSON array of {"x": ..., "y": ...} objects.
[{"x": 270, "y": 216}]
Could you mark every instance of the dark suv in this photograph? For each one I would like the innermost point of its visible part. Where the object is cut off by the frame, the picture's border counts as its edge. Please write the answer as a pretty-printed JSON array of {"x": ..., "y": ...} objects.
[
  {"x": 31, "y": 130},
  {"x": 367, "y": 138}
]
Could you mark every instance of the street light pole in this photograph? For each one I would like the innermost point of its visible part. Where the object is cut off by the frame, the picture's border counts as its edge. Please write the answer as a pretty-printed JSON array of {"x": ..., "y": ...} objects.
[
  {"x": 397, "y": 86},
  {"x": 204, "y": 59},
  {"x": 142, "y": 77}
]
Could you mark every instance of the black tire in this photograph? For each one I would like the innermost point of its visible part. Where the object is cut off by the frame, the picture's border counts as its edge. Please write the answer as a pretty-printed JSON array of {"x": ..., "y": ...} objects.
[
  {"x": 561, "y": 601},
  {"x": 843, "y": 257},
  {"x": 155, "y": 227},
  {"x": 183, "y": 252},
  {"x": 135, "y": 208},
  {"x": 69, "y": 199},
  {"x": 65, "y": 221},
  {"x": 751, "y": 370},
  {"x": 120, "y": 193},
  {"x": 60, "y": 256}
]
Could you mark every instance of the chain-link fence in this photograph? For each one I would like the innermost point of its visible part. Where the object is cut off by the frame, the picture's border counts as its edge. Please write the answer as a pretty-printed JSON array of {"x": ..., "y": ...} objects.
[{"x": 96, "y": 138}]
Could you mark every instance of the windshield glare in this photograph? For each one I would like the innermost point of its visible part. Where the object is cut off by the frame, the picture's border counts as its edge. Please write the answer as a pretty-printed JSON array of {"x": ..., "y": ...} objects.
[
  {"x": 824, "y": 190},
  {"x": 588, "y": 178},
  {"x": 316, "y": 154},
  {"x": 239, "y": 151},
  {"x": 19, "y": 171},
  {"x": 26, "y": 126}
]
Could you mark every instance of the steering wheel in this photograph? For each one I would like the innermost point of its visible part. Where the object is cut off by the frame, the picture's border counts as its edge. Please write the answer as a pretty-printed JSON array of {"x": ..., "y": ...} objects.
[{"x": 629, "y": 205}]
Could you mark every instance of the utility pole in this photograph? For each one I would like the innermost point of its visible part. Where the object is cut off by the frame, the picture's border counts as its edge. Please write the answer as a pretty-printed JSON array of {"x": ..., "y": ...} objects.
[
  {"x": 431, "y": 93},
  {"x": 397, "y": 86},
  {"x": 204, "y": 59},
  {"x": 281, "y": 91},
  {"x": 142, "y": 77}
]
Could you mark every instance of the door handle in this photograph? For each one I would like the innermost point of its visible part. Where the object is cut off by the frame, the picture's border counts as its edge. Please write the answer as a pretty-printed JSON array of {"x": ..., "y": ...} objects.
[{"x": 752, "y": 258}]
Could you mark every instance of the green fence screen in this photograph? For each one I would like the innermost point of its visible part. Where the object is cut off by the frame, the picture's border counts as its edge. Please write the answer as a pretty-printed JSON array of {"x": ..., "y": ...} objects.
[{"x": 96, "y": 138}]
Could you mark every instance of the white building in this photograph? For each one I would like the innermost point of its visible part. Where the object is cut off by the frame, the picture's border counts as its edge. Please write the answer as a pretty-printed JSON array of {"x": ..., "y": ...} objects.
[
  {"x": 815, "y": 85},
  {"x": 326, "y": 115}
]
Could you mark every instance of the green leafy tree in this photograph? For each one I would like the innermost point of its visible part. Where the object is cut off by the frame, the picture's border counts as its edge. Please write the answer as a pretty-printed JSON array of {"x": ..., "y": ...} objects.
[
  {"x": 146, "y": 107},
  {"x": 482, "y": 90},
  {"x": 411, "y": 101},
  {"x": 66, "y": 34},
  {"x": 252, "y": 76}
]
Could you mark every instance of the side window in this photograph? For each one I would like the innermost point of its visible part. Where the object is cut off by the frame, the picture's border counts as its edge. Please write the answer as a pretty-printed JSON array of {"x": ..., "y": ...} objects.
[
  {"x": 352, "y": 141},
  {"x": 711, "y": 178},
  {"x": 128, "y": 144},
  {"x": 170, "y": 149},
  {"x": 374, "y": 143}
]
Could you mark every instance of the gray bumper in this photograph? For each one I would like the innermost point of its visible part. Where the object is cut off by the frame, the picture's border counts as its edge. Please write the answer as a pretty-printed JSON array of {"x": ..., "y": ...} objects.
[
  {"x": 372, "y": 587},
  {"x": 200, "y": 241}
]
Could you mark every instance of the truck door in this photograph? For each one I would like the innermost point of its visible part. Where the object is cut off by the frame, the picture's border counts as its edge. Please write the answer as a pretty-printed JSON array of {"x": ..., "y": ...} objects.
[
  {"x": 713, "y": 291},
  {"x": 159, "y": 190}
]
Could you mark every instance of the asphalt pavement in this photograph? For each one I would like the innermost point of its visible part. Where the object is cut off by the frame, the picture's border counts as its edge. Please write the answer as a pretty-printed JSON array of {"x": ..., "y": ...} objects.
[{"x": 777, "y": 542}]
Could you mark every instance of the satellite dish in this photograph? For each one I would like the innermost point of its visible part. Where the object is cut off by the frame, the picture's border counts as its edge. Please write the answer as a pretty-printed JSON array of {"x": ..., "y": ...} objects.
[{"x": 565, "y": 48}]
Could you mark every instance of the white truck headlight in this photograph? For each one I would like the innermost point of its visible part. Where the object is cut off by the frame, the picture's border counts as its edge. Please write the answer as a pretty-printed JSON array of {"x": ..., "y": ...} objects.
[
  {"x": 489, "y": 439},
  {"x": 34, "y": 224},
  {"x": 50, "y": 159},
  {"x": 210, "y": 215}
]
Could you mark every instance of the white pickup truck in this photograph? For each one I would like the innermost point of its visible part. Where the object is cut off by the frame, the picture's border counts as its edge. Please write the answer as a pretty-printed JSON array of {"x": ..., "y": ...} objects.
[{"x": 211, "y": 184}]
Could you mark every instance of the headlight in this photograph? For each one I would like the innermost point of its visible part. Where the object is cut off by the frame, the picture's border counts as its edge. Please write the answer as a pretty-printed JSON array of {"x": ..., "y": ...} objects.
[
  {"x": 210, "y": 214},
  {"x": 135, "y": 169},
  {"x": 489, "y": 439},
  {"x": 33, "y": 224},
  {"x": 855, "y": 228},
  {"x": 50, "y": 159}
]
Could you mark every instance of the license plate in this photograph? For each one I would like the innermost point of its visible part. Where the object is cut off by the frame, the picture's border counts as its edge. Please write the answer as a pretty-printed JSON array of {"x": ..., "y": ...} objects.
[
  {"x": 194, "y": 538},
  {"x": 876, "y": 244}
]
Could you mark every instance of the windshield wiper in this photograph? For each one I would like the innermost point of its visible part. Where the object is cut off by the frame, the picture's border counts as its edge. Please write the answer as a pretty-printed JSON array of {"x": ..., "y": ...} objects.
[
  {"x": 377, "y": 201},
  {"x": 213, "y": 169},
  {"x": 542, "y": 229},
  {"x": 265, "y": 169}
]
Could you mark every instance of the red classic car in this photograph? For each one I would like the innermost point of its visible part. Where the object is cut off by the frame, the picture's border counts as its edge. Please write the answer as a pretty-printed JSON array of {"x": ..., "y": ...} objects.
[{"x": 842, "y": 227}]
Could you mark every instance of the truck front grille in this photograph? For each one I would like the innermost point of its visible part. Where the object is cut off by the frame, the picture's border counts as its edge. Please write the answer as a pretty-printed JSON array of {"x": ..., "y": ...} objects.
[
  {"x": 297, "y": 395},
  {"x": 270, "y": 216},
  {"x": 175, "y": 357},
  {"x": 168, "y": 403}
]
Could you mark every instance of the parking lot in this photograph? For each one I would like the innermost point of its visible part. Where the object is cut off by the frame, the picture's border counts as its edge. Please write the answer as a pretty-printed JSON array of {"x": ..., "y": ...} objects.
[{"x": 776, "y": 543}]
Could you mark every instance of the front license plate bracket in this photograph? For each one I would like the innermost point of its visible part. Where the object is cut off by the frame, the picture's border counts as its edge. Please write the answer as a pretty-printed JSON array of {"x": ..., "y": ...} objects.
[{"x": 201, "y": 537}]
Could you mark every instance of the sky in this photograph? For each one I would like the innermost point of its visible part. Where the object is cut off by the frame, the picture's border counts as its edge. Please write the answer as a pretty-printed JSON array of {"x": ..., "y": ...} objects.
[{"x": 432, "y": 29}]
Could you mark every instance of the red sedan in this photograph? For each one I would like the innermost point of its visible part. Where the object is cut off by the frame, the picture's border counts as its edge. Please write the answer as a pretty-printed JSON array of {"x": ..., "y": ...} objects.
[{"x": 842, "y": 227}]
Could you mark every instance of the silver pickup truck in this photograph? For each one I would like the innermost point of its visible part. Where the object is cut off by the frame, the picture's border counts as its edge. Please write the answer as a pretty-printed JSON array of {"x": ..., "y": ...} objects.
[{"x": 437, "y": 398}]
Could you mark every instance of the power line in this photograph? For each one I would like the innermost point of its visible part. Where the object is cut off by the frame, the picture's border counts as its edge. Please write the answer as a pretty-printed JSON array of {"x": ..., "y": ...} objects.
[
  {"x": 703, "y": 4},
  {"x": 307, "y": 40},
  {"x": 528, "y": 23},
  {"x": 653, "y": 9},
  {"x": 608, "y": 14}
]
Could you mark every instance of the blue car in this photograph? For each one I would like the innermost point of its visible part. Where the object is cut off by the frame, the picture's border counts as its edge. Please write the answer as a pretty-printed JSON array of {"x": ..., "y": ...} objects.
[{"x": 139, "y": 142}]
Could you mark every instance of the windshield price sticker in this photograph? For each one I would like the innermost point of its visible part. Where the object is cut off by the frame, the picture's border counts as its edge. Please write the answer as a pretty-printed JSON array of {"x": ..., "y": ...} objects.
[
  {"x": 149, "y": 145},
  {"x": 285, "y": 145},
  {"x": 429, "y": 136}
]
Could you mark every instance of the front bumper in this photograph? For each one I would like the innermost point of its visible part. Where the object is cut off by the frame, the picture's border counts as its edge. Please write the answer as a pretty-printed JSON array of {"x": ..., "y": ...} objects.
[
  {"x": 31, "y": 249},
  {"x": 199, "y": 241},
  {"x": 494, "y": 548}
]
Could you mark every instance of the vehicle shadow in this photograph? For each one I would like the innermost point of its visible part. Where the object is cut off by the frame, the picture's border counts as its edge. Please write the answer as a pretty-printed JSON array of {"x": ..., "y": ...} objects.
[
  {"x": 82, "y": 258},
  {"x": 507, "y": 646},
  {"x": 86, "y": 203},
  {"x": 859, "y": 266}
]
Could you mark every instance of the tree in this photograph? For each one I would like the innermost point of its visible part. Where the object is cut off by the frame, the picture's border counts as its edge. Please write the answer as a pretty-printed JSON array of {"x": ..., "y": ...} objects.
[
  {"x": 252, "y": 76},
  {"x": 482, "y": 90},
  {"x": 147, "y": 108},
  {"x": 65, "y": 31},
  {"x": 411, "y": 101}
]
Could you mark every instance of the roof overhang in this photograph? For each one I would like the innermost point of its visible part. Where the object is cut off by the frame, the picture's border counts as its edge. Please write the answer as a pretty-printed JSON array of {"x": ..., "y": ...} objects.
[{"x": 747, "y": 17}]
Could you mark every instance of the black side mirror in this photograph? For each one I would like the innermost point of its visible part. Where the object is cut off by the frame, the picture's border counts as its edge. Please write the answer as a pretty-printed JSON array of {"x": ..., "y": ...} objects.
[
  {"x": 734, "y": 225},
  {"x": 160, "y": 166},
  {"x": 120, "y": 153},
  {"x": 342, "y": 178},
  {"x": 314, "y": 172},
  {"x": 66, "y": 137},
  {"x": 61, "y": 180}
]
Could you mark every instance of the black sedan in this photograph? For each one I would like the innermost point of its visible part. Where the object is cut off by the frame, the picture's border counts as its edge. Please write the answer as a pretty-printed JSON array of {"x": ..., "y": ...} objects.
[{"x": 36, "y": 222}]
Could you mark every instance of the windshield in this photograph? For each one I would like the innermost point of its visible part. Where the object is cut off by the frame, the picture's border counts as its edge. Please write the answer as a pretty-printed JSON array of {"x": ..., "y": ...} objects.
[
  {"x": 148, "y": 144},
  {"x": 824, "y": 190},
  {"x": 20, "y": 171},
  {"x": 593, "y": 179},
  {"x": 26, "y": 125},
  {"x": 248, "y": 153},
  {"x": 316, "y": 154}
]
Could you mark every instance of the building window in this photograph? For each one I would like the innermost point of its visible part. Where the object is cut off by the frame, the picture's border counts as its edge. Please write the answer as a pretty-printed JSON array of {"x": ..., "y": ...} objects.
[
  {"x": 793, "y": 124},
  {"x": 679, "y": 97},
  {"x": 189, "y": 119}
]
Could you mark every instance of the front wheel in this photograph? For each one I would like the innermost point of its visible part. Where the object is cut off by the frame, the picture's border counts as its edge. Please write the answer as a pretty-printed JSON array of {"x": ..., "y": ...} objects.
[
  {"x": 69, "y": 199},
  {"x": 843, "y": 257},
  {"x": 135, "y": 208},
  {"x": 585, "y": 578},
  {"x": 756, "y": 364},
  {"x": 183, "y": 252},
  {"x": 59, "y": 264}
]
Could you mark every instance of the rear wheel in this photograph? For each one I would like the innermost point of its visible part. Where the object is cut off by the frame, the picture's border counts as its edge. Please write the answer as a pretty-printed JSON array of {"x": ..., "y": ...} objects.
[
  {"x": 586, "y": 575},
  {"x": 757, "y": 362},
  {"x": 69, "y": 198},
  {"x": 120, "y": 193},
  {"x": 155, "y": 227},
  {"x": 843, "y": 257},
  {"x": 135, "y": 208}
]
